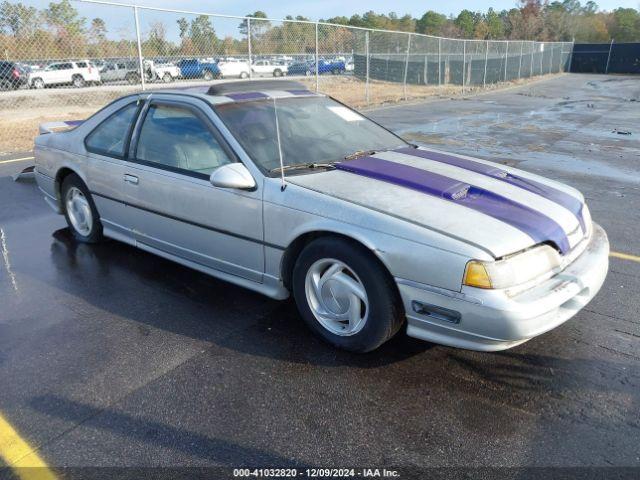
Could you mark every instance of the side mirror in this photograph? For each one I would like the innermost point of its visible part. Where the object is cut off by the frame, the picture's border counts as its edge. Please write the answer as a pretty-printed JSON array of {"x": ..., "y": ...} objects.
[{"x": 233, "y": 175}]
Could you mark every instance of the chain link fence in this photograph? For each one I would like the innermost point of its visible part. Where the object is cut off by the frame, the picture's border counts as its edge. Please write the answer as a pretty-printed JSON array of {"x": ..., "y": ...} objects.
[{"x": 61, "y": 67}]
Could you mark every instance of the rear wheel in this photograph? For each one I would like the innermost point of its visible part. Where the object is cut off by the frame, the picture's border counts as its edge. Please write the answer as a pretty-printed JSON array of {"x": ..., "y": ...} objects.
[
  {"x": 38, "y": 83},
  {"x": 208, "y": 75},
  {"x": 345, "y": 295},
  {"x": 80, "y": 211},
  {"x": 167, "y": 78},
  {"x": 244, "y": 75},
  {"x": 277, "y": 72},
  {"x": 78, "y": 81}
]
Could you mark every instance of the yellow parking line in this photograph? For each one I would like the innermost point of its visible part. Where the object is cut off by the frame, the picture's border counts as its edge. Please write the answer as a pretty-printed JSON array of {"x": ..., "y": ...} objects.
[
  {"x": 18, "y": 455},
  {"x": 625, "y": 256},
  {"x": 13, "y": 160}
]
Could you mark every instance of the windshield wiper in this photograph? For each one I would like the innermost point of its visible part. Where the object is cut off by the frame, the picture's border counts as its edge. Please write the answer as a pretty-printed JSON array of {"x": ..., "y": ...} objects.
[{"x": 301, "y": 166}]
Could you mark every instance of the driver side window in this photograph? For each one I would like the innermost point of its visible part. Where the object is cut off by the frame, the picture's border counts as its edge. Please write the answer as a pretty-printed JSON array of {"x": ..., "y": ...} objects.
[{"x": 175, "y": 137}]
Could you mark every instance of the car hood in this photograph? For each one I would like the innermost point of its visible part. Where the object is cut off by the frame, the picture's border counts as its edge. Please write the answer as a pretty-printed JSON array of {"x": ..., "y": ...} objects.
[{"x": 497, "y": 208}]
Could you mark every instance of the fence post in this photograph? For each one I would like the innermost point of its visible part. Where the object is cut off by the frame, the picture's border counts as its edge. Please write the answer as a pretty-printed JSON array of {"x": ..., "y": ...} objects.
[
  {"x": 533, "y": 44},
  {"x": 606, "y": 70},
  {"x": 464, "y": 62},
  {"x": 541, "y": 58},
  {"x": 506, "y": 60},
  {"x": 573, "y": 43},
  {"x": 368, "y": 57},
  {"x": 249, "y": 46},
  {"x": 439, "y": 61},
  {"x": 140, "y": 61},
  {"x": 425, "y": 72},
  {"x": 406, "y": 65},
  {"x": 486, "y": 62},
  {"x": 317, "y": 61},
  {"x": 520, "y": 65},
  {"x": 551, "y": 60}
]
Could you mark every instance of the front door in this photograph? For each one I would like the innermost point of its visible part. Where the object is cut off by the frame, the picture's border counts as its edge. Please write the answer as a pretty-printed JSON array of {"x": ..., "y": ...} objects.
[
  {"x": 177, "y": 210},
  {"x": 107, "y": 149}
]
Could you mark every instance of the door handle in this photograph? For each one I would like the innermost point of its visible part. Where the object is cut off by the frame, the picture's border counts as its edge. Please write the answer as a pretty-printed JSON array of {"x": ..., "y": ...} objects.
[{"x": 131, "y": 179}]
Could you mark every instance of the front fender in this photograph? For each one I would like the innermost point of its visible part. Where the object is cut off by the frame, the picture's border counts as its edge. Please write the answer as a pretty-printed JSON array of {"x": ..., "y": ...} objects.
[{"x": 299, "y": 212}]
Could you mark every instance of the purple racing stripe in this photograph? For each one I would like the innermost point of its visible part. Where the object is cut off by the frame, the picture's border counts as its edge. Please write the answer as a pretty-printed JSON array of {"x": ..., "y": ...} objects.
[
  {"x": 300, "y": 92},
  {"x": 569, "y": 202},
  {"x": 535, "y": 224},
  {"x": 247, "y": 96}
]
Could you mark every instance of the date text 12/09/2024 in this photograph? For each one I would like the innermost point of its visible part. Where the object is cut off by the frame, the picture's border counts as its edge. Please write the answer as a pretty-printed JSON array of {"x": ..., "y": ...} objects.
[{"x": 315, "y": 473}]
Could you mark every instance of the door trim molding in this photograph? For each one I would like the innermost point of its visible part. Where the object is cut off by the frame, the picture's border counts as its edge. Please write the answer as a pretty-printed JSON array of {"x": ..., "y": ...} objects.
[{"x": 195, "y": 224}]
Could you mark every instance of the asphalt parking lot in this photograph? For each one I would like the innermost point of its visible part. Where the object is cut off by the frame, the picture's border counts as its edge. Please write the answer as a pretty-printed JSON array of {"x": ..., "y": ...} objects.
[{"x": 110, "y": 356}]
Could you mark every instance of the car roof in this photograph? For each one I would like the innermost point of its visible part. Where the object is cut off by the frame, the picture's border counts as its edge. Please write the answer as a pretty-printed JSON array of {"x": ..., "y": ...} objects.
[{"x": 239, "y": 91}]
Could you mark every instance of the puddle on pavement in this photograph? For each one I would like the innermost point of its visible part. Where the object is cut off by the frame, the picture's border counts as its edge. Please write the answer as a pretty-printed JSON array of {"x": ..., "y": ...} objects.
[{"x": 574, "y": 165}]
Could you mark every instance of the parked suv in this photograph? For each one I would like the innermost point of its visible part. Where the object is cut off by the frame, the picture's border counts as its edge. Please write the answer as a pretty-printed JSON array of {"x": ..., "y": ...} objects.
[
  {"x": 267, "y": 67},
  {"x": 193, "y": 68},
  {"x": 12, "y": 76},
  {"x": 78, "y": 74},
  {"x": 233, "y": 67},
  {"x": 121, "y": 70}
]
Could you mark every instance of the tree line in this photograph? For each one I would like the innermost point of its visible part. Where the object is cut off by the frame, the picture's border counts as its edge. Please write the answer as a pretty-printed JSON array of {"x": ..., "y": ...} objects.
[
  {"x": 539, "y": 20},
  {"x": 59, "y": 31}
]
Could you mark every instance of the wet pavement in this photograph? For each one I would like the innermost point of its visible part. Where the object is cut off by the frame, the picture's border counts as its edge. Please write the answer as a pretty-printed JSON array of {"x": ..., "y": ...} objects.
[{"x": 110, "y": 356}]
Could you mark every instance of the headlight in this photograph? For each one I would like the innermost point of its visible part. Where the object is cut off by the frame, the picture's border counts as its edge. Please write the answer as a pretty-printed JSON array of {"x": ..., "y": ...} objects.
[{"x": 511, "y": 271}]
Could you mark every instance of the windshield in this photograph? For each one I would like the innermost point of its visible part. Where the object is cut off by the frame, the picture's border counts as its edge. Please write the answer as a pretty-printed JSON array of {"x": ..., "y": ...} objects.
[{"x": 313, "y": 130}]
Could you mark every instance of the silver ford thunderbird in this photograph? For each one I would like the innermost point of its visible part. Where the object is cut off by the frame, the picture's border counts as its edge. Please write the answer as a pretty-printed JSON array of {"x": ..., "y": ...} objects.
[{"x": 285, "y": 191}]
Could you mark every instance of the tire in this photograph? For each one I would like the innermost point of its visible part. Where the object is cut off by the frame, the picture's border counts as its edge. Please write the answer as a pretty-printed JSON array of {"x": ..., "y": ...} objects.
[
  {"x": 78, "y": 81},
  {"x": 335, "y": 71},
  {"x": 132, "y": 78},
  {"x": 244, "y": 75},
  {"x": 307, "y": 73},
  {"x": 38, "y": 83},
  {"x": 340, "y": 265},
  {"x": 80, "y": 211},
  {"x": 167, "y": 78},
  {"x": 277, "y": 72},
  {"x": 207, "y": 75}
]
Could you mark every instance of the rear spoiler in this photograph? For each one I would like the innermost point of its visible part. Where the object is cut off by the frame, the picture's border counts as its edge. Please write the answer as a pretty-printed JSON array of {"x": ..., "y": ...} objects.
[{"x": 53, "y": 127}]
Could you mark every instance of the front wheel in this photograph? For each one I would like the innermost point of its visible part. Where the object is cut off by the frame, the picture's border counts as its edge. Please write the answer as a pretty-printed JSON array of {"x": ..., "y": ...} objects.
[
  {"x": 244, "y": 75},
  {"x": 167, "y": 78},
  {"x": 208, "y": 75},
  {"x": 80, "y": 211},
  {"x": 345, "y": 295},
  {"x": 132, "y": 78}
]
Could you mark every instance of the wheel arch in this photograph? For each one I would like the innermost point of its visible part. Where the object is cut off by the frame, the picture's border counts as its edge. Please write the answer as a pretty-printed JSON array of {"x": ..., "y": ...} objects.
[
  {"x": 295, "y": 247},
  {"x": 61, "y": 174}
]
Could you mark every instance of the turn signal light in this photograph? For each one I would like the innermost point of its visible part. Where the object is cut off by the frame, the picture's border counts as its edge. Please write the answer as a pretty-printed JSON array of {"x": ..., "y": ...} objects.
[{"x": 476, "y": 275}]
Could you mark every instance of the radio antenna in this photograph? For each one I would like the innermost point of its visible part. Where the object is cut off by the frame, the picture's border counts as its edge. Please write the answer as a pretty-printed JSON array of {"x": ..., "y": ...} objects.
[{"x": 275, "y": 111}]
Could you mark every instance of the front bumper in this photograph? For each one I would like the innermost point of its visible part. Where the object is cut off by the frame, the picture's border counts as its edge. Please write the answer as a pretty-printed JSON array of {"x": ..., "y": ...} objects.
[{"x": 491, "y": 320}]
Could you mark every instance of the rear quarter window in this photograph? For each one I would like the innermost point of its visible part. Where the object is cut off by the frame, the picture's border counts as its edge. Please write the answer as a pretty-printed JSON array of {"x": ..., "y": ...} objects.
[{"x": 110, "y": 137}]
